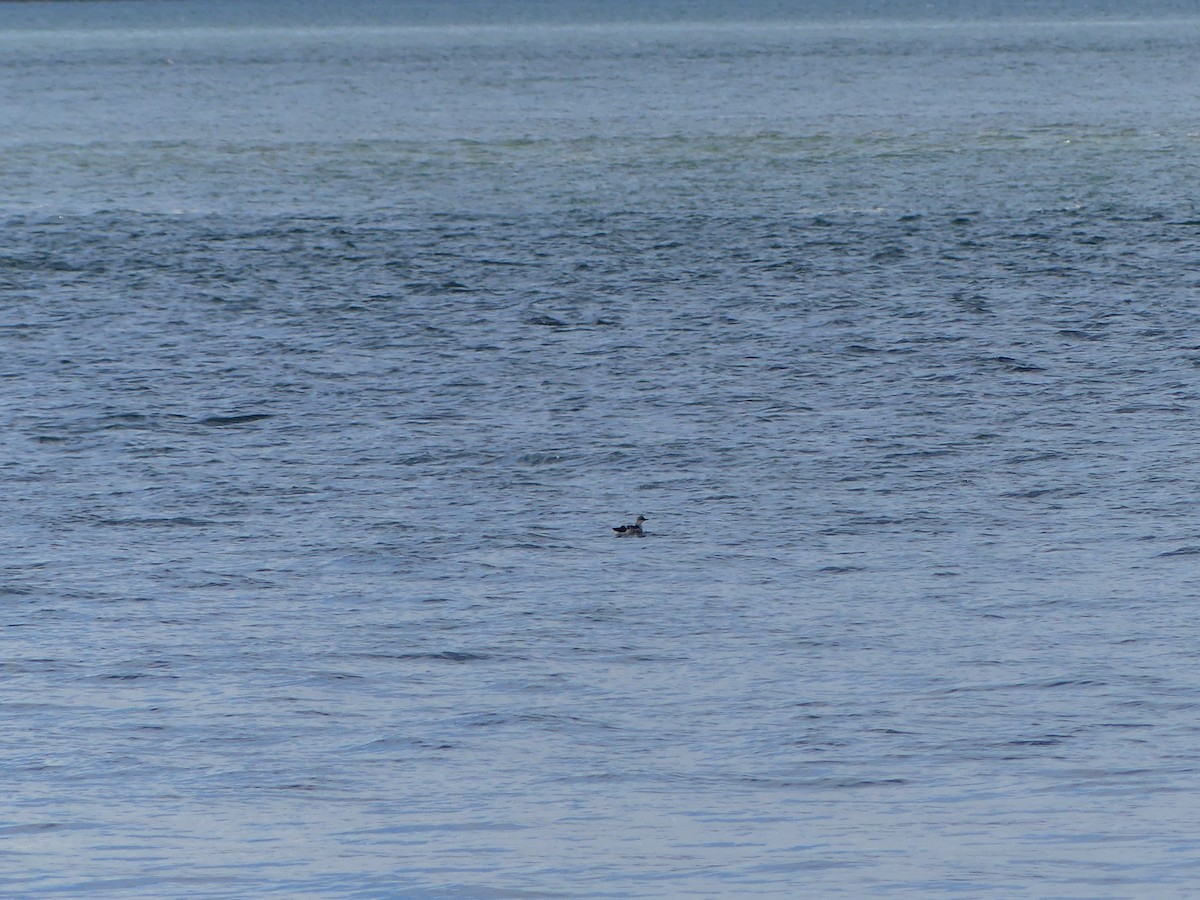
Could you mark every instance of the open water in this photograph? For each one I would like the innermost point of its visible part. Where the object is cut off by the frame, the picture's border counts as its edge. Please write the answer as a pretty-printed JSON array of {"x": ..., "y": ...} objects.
[{"x": 334, "y": 338}]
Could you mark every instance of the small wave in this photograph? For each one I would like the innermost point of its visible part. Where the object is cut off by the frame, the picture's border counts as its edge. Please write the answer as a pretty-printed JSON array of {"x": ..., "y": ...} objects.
[
  {"x": 242, "y": 419},
  {"x": 439, "y": 656},
  {"x": 1049, "y": 740},
  {"x": 542, "y": 459},
  {"x": 821, "y": 783},
  {"x": 165, "y": 521},
  {"x": 432, "y": 288},
  {"x": 890, "y": 254},
  {"x": 1015, "y": 366},
  {"x": 1181, "y": 551},
  {"x": 1039, "y": 493}
]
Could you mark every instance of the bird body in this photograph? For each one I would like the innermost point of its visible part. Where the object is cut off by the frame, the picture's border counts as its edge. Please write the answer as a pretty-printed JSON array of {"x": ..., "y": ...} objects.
[{"x": 634, "y": 530}]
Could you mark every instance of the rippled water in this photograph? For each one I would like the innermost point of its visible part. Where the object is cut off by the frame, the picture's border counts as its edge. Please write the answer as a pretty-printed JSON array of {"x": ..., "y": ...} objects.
[{"x": 332, "y": 346}]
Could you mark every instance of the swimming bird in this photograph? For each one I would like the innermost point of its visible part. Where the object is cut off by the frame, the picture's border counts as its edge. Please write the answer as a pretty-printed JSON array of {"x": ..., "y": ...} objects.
[{"x": 634, "y": 530}]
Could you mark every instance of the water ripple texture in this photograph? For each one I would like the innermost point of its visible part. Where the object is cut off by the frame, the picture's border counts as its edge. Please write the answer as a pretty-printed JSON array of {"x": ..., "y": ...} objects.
[{"x": 333, "y": 348}]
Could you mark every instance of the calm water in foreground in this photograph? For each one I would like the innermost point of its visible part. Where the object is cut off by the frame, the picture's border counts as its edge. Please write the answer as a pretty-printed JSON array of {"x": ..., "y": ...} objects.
[{"x": 332, "y": 345}]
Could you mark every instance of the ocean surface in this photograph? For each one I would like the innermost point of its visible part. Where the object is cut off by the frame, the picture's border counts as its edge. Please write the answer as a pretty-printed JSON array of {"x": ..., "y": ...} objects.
[{"x": 335, "y": 339}]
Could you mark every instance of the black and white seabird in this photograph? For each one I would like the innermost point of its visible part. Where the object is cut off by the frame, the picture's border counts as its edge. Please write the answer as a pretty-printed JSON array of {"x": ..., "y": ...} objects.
[{"x": 634, "y": 530}]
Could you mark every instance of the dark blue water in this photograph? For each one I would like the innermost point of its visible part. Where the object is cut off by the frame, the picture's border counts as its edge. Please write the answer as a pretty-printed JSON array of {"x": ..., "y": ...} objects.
[{"x": 333, "y": 344}]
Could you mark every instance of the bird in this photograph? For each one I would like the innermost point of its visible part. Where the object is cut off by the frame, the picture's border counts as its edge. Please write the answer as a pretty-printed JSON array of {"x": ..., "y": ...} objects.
[{"x": 634, "y": 530}]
